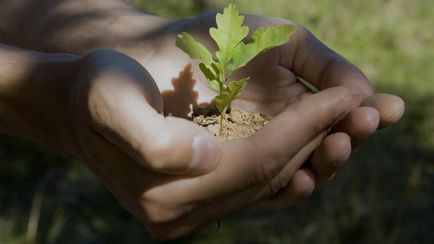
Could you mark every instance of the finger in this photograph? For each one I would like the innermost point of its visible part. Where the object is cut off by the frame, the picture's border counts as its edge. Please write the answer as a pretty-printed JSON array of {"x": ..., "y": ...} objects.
[
  {"x": 285, "y": 179},
  {"x": 230, "y": 184},
  {"x": 300, "y": 187},
  {"x": 130, "y": 183},
  {"x": 255, "y": 161},
  {"x": 333, "y": 152},
  {"x": 359, "y": 124},
  {"x": 310, "y": 59},
  {"x": 124, "y": 110},
  {"x": 162, "y": 213},
  {"x": 289, "y": 132},
  {"x": 390, "y": 108},
  {"x": 378, "y": 111},
  {"x": 270, "y": 189}
]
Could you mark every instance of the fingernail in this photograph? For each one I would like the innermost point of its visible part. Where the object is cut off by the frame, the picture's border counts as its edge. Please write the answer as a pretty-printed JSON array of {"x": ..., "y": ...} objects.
[{"x": 206, "y": 150}]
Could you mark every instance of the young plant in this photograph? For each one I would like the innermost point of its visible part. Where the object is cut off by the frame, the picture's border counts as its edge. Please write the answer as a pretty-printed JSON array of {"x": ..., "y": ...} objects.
[{"x": 233, "y": 53}]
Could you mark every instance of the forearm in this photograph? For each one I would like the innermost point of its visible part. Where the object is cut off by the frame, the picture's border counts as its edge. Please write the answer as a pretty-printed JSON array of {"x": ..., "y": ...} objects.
[
  {"x": 33, "y": 92},
  {"x": 75, "y": 26}
]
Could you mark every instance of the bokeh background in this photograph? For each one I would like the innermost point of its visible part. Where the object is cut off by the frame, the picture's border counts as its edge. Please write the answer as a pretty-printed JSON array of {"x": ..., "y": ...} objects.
[{"x": 384, "y": 195}]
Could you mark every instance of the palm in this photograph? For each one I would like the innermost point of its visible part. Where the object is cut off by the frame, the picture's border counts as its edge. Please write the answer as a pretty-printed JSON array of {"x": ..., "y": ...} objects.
[
  {"x": 269, "y": 90},
  {"x": 271, "y": 86}
]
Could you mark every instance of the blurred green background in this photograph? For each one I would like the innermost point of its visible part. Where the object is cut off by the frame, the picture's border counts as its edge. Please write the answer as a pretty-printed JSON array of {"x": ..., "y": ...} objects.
[{"x": 384, "y": 195}]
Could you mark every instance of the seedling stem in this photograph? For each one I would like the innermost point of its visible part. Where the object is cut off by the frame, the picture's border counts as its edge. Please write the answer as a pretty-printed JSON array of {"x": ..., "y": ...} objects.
[{"x": 233, "y": 53}]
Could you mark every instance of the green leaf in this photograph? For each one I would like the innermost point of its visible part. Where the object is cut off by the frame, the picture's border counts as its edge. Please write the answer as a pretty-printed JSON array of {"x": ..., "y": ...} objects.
[
  {"x": 214, "y": 84},
  {"x": 212, "y": 73},
  {"x": 228, "y": 34},
  {"x": 261, "y": 41},
  {"x": 228, "y": 94},
  {"x": 232, "y": 52},
  {"x": 193, "y": 48},
  {"x": 217, "y": 68},
  {"x": 208, "y": 71}
]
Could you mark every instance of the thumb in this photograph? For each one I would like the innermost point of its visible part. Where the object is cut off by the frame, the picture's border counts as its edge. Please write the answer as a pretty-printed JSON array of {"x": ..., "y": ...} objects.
[
  {"x": 124, "y": 103},
  {"x": 173, "y": 145}
]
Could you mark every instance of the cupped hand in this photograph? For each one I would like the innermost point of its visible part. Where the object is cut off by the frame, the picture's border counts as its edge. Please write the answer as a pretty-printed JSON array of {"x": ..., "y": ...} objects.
[
  {"x": 274, "y": 85},
  {"x": 169, "y": 172}
]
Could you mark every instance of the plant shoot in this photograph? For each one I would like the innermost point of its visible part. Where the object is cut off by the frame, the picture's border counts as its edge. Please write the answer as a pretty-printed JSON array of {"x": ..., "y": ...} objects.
[{"x": 232, "y": 54}]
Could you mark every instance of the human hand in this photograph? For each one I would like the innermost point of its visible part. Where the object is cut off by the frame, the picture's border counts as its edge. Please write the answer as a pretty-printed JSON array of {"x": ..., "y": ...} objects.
[
  {"x": 160, "y": 42},
  {"x": 104, "y": 109},
  {"x": 145, "y": 158},
  {"x": 151, "y": 41},
  {"x": 273, "y": 85},
  {"x": 168, "y": 172}
]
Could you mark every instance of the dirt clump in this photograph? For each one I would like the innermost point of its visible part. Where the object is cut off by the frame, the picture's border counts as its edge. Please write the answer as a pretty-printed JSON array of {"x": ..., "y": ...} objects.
[{"x": 236, "y": 124}]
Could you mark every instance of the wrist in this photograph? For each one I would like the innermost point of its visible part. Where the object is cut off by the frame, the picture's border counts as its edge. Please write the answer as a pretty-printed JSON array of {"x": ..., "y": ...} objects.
[{"x": 34, "y": 91}]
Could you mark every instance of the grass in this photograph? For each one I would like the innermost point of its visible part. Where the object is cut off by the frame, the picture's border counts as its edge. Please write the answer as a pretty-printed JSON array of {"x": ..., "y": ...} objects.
[{"x": 384, "y": 195}]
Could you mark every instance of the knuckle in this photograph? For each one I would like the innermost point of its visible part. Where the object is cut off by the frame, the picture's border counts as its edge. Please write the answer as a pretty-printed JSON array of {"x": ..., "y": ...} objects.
[
  {"x": 97, "y": 98},
  {"x": 156, "y": 212},
  {"x": 97, "y": 105},
  {"x": 343, "y": 92},
  {"x": 319, "y": 125},
  {"x": 168, "y": 152},
  {"x": 162, "y": 216},
  {"x": 368, "y": 119},
  {"x": 166, "y": 226},
  {"x": 315, "y": 126},
  {"x": 266, "y": 166},
  {"x": 158, "y": 153},
  {"x": 276, "y": 185}
]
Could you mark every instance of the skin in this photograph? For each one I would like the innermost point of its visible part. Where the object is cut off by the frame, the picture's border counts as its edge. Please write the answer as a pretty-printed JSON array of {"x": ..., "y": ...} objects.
[{"x": 106, "y": 109}]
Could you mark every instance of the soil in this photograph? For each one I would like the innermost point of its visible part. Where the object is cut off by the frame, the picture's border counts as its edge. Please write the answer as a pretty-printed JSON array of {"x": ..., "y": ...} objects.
[{"x": 236, "y": 124}]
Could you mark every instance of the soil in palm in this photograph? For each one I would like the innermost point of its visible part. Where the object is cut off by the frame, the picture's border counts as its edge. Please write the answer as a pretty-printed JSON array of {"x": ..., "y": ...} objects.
[{"x": 236, "y": 124}]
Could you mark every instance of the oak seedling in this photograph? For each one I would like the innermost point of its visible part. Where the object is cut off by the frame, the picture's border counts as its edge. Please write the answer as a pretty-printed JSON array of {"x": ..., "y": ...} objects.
[{"x": 232, "y": 54}]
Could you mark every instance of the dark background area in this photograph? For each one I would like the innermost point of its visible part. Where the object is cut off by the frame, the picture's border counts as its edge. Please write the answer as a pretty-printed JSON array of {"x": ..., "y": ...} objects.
[{"x": 384, "y": 195}]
